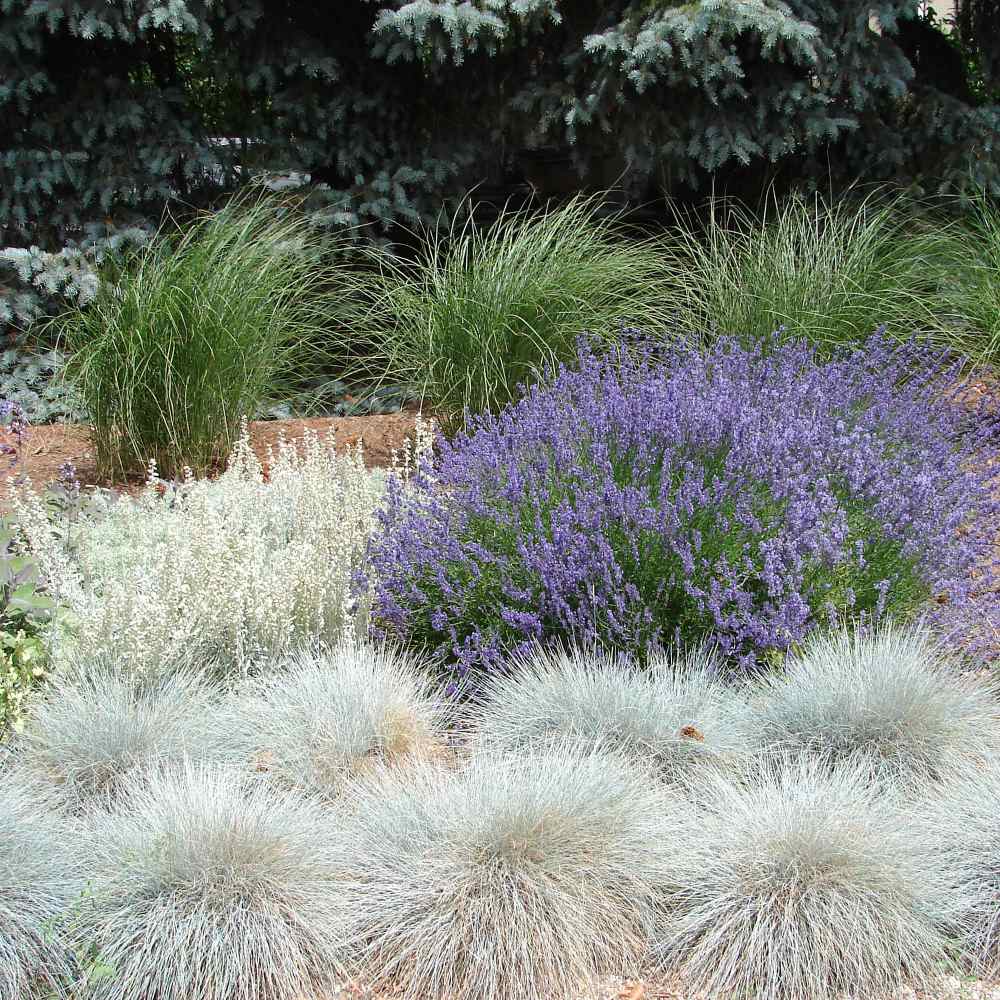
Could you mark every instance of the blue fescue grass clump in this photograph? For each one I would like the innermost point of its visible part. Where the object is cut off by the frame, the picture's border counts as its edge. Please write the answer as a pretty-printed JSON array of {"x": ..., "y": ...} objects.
[
  {"x": 519, "y": 875},
  {"x": 326, "y": 716},
  {"x": 960, "y": 822},
  {"x": 202, "y": 885},
  {"x": 96, "y": 726},
  {"x": 41, "y": 879},
  {"x": 641, "y": 498},
  {"x": 800, "y": 882},
  {"x": 676, "y": 714},
  {"x": 892, "y": 700}
]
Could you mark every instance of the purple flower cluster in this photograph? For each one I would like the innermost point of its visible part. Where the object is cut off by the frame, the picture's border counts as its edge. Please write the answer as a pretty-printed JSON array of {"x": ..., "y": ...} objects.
[
  {"x": 742, "y": 495},
  {"x": 15, "y": 425}
]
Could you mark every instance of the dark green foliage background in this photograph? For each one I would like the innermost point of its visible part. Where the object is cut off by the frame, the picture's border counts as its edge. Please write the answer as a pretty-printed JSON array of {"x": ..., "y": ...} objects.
[{"x": 111, "y": 110}]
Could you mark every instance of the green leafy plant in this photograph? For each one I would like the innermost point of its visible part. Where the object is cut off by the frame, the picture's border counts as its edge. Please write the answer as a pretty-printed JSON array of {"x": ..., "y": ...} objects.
[
  {"x": 24, "y": 610},
  {"x": 828, "y": 271},
  {"x": 484, "y": 310},
  {"x": 185, "y": 338}
]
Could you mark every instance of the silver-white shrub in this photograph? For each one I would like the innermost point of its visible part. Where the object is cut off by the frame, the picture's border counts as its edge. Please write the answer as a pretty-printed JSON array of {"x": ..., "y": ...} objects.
[
  {"x": 235, "y": 570},
  {"x": 205, "y": 886},
  {"x": 674, "y": 713},
  {"x": 803, "y": 883},
  {"x": 96, "y": 726},
  {"x": 327, "y": 716},
  {"x": 40, "y": 881},
  {"x": 889, "y": 699},
  {"x": 521, "y": 875}
]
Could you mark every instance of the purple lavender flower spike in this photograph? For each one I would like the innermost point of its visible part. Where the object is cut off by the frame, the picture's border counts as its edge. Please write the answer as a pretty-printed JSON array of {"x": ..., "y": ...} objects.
[{"x": 651, "y": 496}]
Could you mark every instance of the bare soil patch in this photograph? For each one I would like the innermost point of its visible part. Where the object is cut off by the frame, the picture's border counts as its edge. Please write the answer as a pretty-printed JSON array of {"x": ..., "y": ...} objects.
[{"x": 49, "y": 446}]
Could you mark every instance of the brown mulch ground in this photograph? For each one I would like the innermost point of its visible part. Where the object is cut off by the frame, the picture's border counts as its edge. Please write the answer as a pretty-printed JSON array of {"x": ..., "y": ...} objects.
[{"x": 48, "y": 446}]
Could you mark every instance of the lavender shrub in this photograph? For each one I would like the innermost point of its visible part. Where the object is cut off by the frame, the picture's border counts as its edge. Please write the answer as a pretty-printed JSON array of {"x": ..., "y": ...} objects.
[{"x": 639, "y": 499}]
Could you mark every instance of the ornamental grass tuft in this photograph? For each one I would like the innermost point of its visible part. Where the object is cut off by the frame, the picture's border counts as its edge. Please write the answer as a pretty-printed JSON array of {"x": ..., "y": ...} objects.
[
  {"x": 199, "y": 329},
  {"x": 801, "y": 884},
  {"x": 828, "y": 271},
  {"x": 891, "y": 700},
  {"x": 41, "y": 880},
  {"x": 324, "y": 718},
  {"x": 973, "y": 291},
  {"x": 674, "y": 715},
  {"x": 96, "y": 727},
  {"x": 962, "y": 822},
  {"x": 643, "y": 498},
  {"x": 204, "y": 886},
  {"x": 482, "y": 310},
  {"x": 517, "y": 876}
]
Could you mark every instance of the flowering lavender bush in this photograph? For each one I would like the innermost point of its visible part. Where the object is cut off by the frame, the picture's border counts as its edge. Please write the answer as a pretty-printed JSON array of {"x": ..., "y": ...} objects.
[{"x": 638, "y": 499}]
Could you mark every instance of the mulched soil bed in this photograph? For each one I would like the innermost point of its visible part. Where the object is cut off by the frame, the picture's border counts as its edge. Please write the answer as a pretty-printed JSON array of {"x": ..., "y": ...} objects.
[{"x": 49, "y": 446}]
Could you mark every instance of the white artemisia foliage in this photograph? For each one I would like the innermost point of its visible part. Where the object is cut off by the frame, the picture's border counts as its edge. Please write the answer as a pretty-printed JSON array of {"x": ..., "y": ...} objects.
[{"x": 236, "y": 570}]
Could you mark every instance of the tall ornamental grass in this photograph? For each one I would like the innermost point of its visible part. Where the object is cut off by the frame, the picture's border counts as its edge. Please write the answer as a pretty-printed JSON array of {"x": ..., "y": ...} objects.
[
  {"x": 638, "y": 499},
  {"x": 197, "y": 330},
  {"x": 974, "y": 288},
  {"x": 482, "y": 310},
  {"x": 828, "y": 271}
]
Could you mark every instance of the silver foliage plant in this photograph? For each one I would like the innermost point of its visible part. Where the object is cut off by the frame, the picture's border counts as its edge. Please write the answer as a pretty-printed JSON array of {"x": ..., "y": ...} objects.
[
  {"x": 674, "y": 713},
  {"x": 889, "y": 699},
  {"x": 96, "y": 726},
  {"x": 40, "y": 879},
  {"x": 206, "y": 886},
  {"x": 803, "y": 883},
  {"x": 516, "y": 876},
  {"x": 324, "y": 717}
]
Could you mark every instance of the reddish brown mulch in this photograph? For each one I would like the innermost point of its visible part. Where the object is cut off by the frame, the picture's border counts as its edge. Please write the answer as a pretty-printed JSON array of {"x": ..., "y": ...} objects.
[{"x": 50, "y": 446}]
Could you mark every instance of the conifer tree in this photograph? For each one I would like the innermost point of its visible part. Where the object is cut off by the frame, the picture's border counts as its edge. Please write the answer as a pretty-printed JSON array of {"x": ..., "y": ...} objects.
[{"x": 113, "y": 110}]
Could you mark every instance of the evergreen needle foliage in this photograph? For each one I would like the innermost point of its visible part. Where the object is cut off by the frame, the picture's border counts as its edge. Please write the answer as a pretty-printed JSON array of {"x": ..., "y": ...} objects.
[
  {"x": 801, "y": 885},
  {"x": 829, "y": 272},
  {"x": 889, "y": 700},
  {"x": 675, "y": 713},
  {"x": 482, "y": 311},
  {"x": 325, "y": 717},
  {"x": 518, "y": 876},
  {"x": 97, "y": 726},
  {"x": 200, "y": 329},
  {"x": 205, "y": 887},
  {"x": 39, "y": 878}
]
